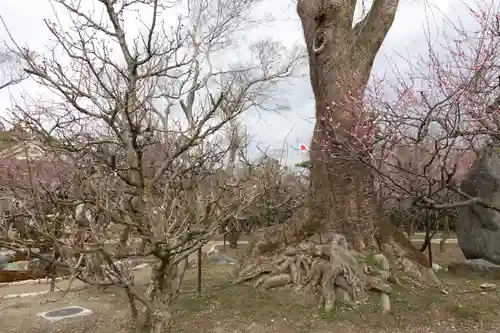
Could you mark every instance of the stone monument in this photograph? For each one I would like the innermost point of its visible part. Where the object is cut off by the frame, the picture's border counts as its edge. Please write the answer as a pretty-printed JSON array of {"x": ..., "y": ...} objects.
[{"x": 477, "y": 226}]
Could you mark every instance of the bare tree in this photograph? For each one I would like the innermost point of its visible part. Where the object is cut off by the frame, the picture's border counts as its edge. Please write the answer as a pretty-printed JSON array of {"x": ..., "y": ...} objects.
[
  {"x": 282, "y": 193},
  {"x": 11, "y": 73},
  {"x": 135, "y": 167}
]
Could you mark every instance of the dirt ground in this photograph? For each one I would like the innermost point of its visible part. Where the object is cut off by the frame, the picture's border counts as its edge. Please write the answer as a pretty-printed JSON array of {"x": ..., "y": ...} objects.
[{"x": 222, "y": 308}]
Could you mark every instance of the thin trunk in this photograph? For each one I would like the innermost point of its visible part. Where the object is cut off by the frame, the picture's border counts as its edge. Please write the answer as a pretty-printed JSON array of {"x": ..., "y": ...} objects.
[
  {"x": 232, "y": 228},
  {"x": 411, "y": 228},
  {"x": 163, "y": 290},
  {"x": 52, "y": 266},
  {"x": 444, "y": 235},
  {"x": 233, "y": 235},
  {"x": 123, "y": 241},
  {"x": 429, "y": 252},
  {"x": 427, "y": 237},
  {"x": 134, "y": 314}
]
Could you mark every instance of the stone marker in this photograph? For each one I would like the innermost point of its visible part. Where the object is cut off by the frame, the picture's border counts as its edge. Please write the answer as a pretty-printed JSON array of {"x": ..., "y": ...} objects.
[
  {"x": 64, "y": 313},
  {"x": 477, "y": 227},
  {"x": 4, "y": 259},
  {"x": 488, "y": 286},
  {"x": 215, "y": 256}
]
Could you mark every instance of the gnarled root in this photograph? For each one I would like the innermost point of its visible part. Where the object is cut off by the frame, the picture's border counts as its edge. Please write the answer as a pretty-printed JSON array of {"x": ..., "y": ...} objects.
[{"x": 329, "y": 271}]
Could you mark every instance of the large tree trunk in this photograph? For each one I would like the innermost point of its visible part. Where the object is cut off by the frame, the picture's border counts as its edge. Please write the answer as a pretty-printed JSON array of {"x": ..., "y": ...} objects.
[
  {"x": 313, "y": 251},
  {"x": 340, "y": 60}
]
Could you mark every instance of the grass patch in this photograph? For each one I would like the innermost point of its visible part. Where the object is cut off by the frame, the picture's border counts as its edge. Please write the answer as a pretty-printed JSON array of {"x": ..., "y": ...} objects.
[
  {"x": 223, "y": 307},
  {"x": 223, "y": 303},
  {"x": 368, "y": 259},
  {"x": 464, "y": 312}
]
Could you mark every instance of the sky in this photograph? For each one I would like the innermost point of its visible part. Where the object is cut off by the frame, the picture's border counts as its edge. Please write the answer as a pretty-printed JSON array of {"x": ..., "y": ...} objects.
[{"x": 288, "y": 128}]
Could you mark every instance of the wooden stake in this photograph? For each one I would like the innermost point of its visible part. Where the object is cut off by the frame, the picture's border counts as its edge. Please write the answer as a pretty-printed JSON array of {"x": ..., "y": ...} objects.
[{"x": 199, "y": 271}]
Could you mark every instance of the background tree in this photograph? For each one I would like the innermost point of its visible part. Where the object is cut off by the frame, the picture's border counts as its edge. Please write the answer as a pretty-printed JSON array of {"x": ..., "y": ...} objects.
[
  {"x": 439, "y": 116},
  {"x": 10, "y": 69},
  {"x": 282, "y": 194}
]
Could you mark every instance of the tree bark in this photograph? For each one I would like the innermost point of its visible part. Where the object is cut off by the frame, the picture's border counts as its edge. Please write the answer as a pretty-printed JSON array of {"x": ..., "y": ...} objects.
[
  {"x": 163, "y": 290},
  {"x": 340, "y": 60},
  {"x": 311, "y": 251}
]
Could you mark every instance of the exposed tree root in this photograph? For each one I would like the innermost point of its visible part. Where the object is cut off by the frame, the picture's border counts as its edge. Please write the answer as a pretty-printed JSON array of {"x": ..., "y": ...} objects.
[{"x": 329, "y": 271}]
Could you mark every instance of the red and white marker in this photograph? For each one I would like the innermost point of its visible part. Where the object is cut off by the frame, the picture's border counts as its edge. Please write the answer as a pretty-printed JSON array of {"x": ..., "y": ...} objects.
[{"x": 303, "y": 148}]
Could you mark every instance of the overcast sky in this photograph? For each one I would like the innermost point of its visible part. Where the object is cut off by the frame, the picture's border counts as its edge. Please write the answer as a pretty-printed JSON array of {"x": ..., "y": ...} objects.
[{"x": 24, "y": 19}]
